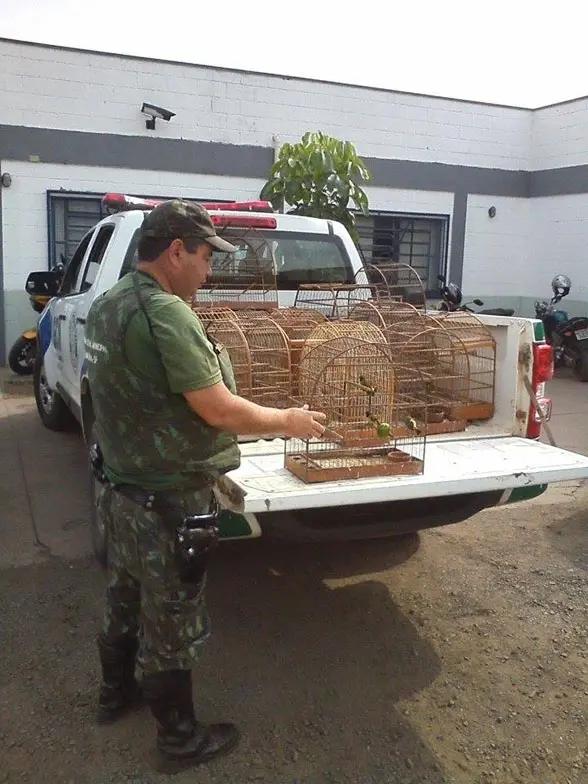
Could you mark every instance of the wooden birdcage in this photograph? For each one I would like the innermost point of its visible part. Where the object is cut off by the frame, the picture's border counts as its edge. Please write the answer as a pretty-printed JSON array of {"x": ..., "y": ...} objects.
[
  {"x": 245, "y": 279},
  {"x": 402, "y": 321},
  {"x": 211, "y": 313},
  {"x": 372, "y": 276},
  {"x": 443, "y": 363},
  {"x": 353, "y": 382},
  {"x": 401, "y": 282},
  {"x": 367, "y": 311},
  {"x": 271, "y": 374},
  {"x": 476, "y": 397},
  {"x": 297, "y": 323},
  {"x": 227, "y": 333}
]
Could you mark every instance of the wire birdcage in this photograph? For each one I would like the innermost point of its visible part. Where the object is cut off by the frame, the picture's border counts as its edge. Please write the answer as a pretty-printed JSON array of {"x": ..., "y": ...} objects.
[
  {"x": 476, "y": 400},
  {"x": 227, "y": 333},
  {"x": 332, "y": 300},
  {"x": 370, "y": 430},
  {"x": 271, "y": 374},
  {"x": 245, "y": 279}
]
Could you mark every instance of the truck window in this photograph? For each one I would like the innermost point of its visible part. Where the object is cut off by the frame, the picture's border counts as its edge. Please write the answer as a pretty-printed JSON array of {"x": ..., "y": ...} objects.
[
  {"x": 72, "y": 268},
  {"x": 95, "y": 257},
  {"x": 299, "y": 259},
  {"x": 130, "y": 258}
]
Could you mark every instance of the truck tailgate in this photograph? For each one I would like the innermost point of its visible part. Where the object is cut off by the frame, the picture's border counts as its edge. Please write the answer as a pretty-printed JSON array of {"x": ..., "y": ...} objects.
[{"x": 451, "y": 468}]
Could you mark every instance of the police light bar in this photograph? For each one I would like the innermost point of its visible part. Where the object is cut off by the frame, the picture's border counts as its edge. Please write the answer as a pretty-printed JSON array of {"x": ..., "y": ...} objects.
[{"x": 120, "y": 202}]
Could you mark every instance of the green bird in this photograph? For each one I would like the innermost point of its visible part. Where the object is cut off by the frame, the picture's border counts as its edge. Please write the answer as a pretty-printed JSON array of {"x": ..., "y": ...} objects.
[{"x": 411, "y": 424}]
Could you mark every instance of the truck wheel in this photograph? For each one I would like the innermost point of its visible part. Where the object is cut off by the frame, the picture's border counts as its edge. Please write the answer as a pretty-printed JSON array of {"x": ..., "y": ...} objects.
[
  {"x": 52, "y": 409},
  {"x": 21, "y": 358},
  {"x": 98, "y": 531},
  {"x": 581, "y": 366}
]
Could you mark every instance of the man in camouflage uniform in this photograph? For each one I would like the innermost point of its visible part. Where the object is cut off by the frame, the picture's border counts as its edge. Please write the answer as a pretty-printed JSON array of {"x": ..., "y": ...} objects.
[{"x": 166, "y": 421}]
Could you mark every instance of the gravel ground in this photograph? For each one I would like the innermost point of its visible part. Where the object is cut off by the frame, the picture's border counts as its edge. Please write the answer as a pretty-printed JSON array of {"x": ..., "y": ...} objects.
[{"x": 458, "y": 656}]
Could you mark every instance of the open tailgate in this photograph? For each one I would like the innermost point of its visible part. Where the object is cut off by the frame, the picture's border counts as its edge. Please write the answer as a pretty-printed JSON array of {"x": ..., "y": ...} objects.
[{"x": 451, "y": 468}]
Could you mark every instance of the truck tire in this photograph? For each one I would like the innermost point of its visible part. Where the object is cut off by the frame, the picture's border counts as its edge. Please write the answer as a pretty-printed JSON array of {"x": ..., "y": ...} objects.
[
  {"x": 54, "y": 413},
  {"x": 21, "y": 358},
  {"x": 98, "y": 532},
  {"x": 581, "y": 366}
]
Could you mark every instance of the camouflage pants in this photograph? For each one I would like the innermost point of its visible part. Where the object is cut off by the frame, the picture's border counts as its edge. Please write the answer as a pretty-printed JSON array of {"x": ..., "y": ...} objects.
[{"x": 145, "y": 596}]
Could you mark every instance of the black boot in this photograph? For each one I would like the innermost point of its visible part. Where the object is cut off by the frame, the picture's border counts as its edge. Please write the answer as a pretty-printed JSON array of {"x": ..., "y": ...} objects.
[
  {"x": 119, "y": 690},
  {"x": 183, "y": 741}
]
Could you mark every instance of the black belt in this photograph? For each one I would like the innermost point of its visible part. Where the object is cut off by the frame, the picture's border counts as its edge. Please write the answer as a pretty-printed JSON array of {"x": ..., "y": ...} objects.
[{"x": 158, "y": 501}]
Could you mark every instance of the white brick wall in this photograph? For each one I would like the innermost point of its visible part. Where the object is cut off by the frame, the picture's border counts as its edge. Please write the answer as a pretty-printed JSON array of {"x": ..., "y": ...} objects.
[
  {"x": 559, "y": 244},
  {"x": 57, "y": 88},
  {"x": 560, "y": 136},
  {"x": 497, "y": 253}
]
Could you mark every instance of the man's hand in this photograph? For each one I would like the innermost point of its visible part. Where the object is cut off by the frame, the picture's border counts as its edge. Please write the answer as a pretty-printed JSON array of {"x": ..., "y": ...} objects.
[{"x": 302, "y": 423}]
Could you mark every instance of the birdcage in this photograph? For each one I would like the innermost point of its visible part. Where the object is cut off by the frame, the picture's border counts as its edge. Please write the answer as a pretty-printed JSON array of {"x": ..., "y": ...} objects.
[
  {"x": 372, "y": 276},
  {"x": 476, "y": 394},
  {"x": 227, "y": 333},
  {"x": 212, "y": 313},
  {"x": 297, "y": 323},
  {"x": 402, "y": 321},
  {"x": 246, "y": 278},
  {"x": 398, "y": 282},
  {"x": 367, "y": 311},
  {"x": 271, "y": 377},
  {"x": 353, "y": 382},
  {"x": 332, "y": 300},
  {"x": 443, "y": 363}
]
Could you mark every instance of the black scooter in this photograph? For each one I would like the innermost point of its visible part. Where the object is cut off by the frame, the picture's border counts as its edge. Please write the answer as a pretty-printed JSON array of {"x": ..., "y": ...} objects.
[
  {"x": 567, "y": 336},
  {"x": 451, "y": 300}
]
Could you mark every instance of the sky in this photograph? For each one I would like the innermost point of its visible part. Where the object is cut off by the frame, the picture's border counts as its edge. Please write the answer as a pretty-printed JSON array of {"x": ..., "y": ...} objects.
[{"x": 495, "y": 51}]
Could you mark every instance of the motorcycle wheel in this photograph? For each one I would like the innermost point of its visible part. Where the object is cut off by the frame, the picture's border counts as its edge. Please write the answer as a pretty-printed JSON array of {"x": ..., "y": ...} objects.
[
  {"x": 581, "y": 366},
  {"x": 21, "y": 358}
]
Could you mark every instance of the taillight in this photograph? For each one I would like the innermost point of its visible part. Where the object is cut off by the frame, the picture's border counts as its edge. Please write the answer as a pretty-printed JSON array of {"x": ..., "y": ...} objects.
[
  {"x": 542, "y": 363},
  {"x": 542, "y": 372},
  {"x": 244, "y": 221}
]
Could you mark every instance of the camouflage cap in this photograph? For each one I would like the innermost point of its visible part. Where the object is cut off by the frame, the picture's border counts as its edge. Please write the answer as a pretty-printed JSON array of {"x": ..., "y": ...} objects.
[{"x": 178, "y": 219}]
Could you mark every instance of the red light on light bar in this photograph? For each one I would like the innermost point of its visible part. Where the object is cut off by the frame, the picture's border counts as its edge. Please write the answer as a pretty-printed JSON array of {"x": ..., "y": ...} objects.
[
  {"x": 244, "y": 221},
  {"x": 239, "y": 206},
  {"x": 120, "y": 202}
]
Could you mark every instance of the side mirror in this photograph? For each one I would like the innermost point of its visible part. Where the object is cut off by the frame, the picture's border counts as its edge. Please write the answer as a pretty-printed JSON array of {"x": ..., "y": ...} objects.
[
  {"x": 45, "y": 284},
  {"x": 478, "y": 302}
]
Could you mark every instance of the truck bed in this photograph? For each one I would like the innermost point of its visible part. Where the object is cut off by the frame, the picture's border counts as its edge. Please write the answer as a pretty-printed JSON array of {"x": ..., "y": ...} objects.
[{"x": 452, "y": 467}]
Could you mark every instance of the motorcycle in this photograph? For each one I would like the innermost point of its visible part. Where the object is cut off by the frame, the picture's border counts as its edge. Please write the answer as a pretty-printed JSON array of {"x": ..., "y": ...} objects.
[
  {"x": 567, "y": 336},
  {"x": 22, "y": 355},
  {"x": 451, "y": 300}
]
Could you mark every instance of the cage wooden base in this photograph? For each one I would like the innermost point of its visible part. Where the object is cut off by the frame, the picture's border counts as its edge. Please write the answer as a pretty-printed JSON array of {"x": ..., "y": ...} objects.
[
  {"x": 472, "y": 410},
  {"x": 338, "y": 464}
]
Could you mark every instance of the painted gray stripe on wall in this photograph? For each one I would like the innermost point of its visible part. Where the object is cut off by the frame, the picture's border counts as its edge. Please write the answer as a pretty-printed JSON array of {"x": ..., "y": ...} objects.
[
  {"x": 134, "y": 152},
  {"x": 559, "y": 182},
  {"x": 423, "y": 176},
  {"x": 458, "y": 232},
  {"x": 139, "y": 152}
]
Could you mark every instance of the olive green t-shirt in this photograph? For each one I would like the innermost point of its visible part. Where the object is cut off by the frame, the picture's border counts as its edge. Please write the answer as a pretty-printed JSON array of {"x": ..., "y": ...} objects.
[
  {"x": 183, "y": 356},
  {"x": 138, "y": 370}
]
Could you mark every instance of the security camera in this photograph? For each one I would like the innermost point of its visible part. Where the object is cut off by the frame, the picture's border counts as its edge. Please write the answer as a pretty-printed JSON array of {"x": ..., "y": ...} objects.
[{"x": 155, "y": 112}]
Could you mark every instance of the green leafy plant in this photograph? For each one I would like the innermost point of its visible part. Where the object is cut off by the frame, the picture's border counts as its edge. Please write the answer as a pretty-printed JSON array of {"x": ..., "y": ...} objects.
[{"x": 319, "y": 177}]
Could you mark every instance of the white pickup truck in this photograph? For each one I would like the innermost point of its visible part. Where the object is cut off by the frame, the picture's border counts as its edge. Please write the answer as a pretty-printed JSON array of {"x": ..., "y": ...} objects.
[{"x": 493, "y": 462}]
